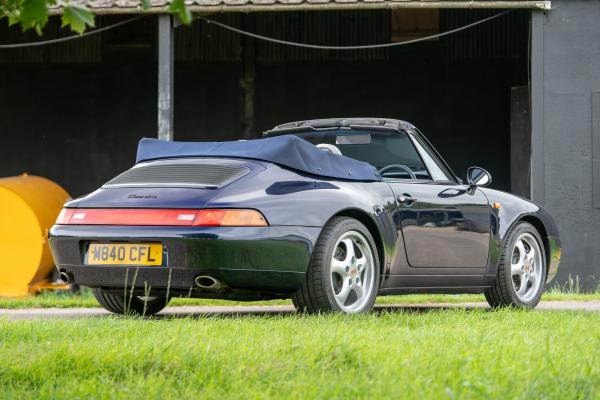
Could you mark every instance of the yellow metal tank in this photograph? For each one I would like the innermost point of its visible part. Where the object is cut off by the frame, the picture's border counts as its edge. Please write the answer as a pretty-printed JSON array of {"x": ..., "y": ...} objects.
[{"x": 29, "y": 206}]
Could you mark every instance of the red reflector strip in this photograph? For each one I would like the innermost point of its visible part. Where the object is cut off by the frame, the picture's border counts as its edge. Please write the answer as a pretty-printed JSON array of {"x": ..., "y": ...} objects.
[
  {"x": 160, "y": 217},
  {"x": 65, "y": 216}
]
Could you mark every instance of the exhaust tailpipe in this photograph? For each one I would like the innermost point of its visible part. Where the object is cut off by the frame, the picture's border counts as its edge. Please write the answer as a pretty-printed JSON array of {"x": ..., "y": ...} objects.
[
  {"x": 207, "y": 282},
  {"x": 65, "y": 277}
]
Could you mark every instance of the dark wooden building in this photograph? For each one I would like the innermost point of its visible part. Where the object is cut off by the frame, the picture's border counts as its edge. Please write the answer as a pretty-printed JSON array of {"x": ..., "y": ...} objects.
[{"x": 518, "y": 95}]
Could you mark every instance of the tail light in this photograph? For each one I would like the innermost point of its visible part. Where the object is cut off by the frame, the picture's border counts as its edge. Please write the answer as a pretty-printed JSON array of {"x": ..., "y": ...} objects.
[{"x": 160, "y": 217}]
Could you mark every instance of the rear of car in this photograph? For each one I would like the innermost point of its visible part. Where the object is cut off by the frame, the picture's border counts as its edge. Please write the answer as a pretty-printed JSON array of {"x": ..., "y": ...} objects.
[{"x": 163, "y": 229}]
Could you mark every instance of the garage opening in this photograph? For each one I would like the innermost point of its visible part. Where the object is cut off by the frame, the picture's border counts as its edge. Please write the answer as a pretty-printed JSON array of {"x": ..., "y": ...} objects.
[{"x": 467, "y": 92}]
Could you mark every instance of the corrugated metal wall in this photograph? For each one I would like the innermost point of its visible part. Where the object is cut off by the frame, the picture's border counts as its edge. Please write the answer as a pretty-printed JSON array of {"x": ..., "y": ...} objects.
[
  {"x": 341, "y": 28},
  {"x": 201, "y": 42},
  {"x": 502, "y": 38},
  {"x": 204, "y": 42},
  {"x": 84, "y": 50}
]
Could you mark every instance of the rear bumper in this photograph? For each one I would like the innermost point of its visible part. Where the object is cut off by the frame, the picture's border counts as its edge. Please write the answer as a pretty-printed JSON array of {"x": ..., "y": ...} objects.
[{"x": 262, "y": 259}]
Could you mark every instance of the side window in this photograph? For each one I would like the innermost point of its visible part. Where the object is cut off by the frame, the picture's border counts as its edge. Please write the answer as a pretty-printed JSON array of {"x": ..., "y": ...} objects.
[
  {"x": 397, "y": 158},
  {"x": 437, "y": 173},
  {"x": 392, "y": 153}
]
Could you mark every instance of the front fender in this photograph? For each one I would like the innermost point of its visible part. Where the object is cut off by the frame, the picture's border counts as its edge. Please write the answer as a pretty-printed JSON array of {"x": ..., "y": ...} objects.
[{"x": 512, "y": 210}]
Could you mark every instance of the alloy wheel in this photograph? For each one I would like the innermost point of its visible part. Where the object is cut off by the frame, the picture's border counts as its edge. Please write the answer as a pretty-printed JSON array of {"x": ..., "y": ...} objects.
[
  {"x": 526, "y": 267},
  {"x": 352, "y": 271}
]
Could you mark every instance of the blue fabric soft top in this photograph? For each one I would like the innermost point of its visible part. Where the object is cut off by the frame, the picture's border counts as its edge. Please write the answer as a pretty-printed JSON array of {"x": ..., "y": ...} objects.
[{"x": 286, "y": 150}]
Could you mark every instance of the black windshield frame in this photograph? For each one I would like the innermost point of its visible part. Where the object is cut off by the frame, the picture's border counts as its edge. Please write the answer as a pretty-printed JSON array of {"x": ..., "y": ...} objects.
[{"x": 415, "y": 134}]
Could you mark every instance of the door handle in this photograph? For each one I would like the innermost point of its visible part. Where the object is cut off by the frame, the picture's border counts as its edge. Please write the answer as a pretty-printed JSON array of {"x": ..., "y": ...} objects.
[{"x": 407, "y": 200}]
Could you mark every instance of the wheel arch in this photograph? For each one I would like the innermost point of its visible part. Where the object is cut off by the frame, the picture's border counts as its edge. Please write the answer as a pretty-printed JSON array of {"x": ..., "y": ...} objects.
[
  {"x": 538, "y": 224},
  {"x": 367, "y": 220}
]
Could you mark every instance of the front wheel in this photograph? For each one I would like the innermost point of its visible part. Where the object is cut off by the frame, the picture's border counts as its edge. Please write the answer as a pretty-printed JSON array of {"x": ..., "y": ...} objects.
[
  {"x": 343, "y": 274},
  {"x": 521, "y": 275},
  {"x": 131, "y": 305}
]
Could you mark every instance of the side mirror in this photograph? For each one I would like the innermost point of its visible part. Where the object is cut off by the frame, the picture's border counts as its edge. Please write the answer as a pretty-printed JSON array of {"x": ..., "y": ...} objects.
[{"x": 478, "y": 177}]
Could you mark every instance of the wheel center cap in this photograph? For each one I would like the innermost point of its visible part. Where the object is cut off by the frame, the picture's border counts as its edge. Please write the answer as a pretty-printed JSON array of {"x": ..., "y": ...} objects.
[{"x": 354, "y": 272}]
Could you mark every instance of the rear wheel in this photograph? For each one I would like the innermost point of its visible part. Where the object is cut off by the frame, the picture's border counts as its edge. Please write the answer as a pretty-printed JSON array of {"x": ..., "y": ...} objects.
[
  {"x": 343, "y": 274},
  {"x": 521, "y": 276},
  {"x": 133, "y": 305}
]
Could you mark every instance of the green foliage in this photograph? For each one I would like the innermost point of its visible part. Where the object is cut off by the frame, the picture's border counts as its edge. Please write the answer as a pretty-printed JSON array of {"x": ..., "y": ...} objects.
[
  {"x": 33, "y": 14},
  {"x": 178, "y": 7},
  {"x": 447, "y": 354},
  {"x": 77, "y": 18}
]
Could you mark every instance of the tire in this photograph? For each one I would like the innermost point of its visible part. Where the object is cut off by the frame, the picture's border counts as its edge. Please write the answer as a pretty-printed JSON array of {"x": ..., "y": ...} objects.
[
  {"x": 518, "y": 266},
  {"x": 121, "y": 304},
  {"x": 353, "y": 275}
]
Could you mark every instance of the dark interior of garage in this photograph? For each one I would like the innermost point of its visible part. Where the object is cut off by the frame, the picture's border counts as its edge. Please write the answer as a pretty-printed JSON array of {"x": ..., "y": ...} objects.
[{"x": 95, "y": 97}]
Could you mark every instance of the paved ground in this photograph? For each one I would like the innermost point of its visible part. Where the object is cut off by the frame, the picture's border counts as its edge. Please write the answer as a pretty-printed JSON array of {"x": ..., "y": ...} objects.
[{"x": 212, "y": 311}]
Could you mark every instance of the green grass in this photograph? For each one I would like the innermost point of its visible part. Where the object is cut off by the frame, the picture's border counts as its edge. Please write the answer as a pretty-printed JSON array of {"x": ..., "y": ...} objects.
[
  {"x": 436, "y": 354},
  {"x": 86, "y": 299}
]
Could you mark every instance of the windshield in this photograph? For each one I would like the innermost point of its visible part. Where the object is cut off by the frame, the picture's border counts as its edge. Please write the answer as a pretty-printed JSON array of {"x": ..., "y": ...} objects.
[{"x": 392, "y": 153}]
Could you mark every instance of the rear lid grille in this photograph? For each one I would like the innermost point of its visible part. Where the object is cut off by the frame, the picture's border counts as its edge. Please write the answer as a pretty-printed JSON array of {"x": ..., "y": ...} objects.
[{"x": 180, "y": 173}]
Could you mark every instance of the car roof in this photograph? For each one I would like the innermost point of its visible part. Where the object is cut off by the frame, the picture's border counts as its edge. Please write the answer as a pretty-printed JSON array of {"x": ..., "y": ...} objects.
[
  {"x": 313, "y": 125},
  {"x": 288, "y": 151}
]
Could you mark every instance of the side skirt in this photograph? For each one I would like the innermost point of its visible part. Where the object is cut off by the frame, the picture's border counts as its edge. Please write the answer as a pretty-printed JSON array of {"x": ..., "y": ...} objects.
[
  {"x": 431, "y": 281},
  {"x": 433, "y": 290}
]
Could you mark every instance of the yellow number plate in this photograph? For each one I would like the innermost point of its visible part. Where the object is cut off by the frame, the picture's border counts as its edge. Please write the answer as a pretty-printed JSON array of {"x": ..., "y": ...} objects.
[{"x": 124, "y": 254}]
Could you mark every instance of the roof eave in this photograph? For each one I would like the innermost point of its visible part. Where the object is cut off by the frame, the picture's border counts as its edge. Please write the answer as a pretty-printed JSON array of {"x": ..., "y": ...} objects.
[{"x": 324, "y": 5}]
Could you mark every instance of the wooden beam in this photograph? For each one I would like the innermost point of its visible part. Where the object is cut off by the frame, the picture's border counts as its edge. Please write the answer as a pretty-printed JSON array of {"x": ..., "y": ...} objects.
[
  {"x": 165, "y": 77},
  {"x": 538, "y": 168},
  {"x": 248, "y": 78}
]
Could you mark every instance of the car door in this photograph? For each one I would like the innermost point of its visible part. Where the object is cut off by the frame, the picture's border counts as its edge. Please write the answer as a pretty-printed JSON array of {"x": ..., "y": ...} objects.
[{"x": 444, "y": 224}]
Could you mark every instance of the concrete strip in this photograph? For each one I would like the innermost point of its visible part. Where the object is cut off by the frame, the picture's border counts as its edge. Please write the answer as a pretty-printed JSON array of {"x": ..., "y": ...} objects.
[
  {"x": 217, "y": 311},
  {"x": 51, "y": 313}
]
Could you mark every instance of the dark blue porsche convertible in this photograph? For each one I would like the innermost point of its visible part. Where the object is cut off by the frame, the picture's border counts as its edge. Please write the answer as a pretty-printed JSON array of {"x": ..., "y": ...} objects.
[{"x": 330, "y": 213}]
